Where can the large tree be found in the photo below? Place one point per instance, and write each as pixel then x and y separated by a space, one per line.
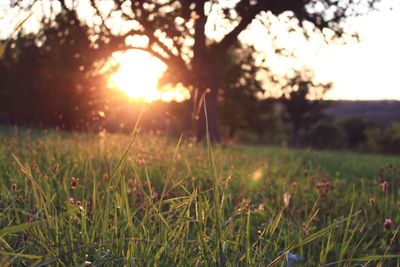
pixel 178 33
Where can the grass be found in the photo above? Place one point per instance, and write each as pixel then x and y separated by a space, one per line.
pixel 147 200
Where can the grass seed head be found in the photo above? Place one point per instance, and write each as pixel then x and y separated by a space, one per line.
pixel 306 229
pixel 286 199
pixel 56 167
pixel 372 201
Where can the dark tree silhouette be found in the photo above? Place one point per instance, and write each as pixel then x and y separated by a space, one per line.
pixel 302 99
pixel 355 129
pixel 241 106
pixel 18 83
pixel 50 79
pixel 176 34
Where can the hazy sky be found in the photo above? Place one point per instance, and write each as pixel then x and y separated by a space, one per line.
pixel 368 69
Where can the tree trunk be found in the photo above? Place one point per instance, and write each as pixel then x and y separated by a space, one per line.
pixel 205 77
pixel 206 83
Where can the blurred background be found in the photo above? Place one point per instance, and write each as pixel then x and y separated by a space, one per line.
pixel 320 74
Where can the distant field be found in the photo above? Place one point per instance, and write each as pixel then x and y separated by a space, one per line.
pixel 72 199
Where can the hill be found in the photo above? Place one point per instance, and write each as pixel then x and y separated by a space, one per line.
pixel 382 111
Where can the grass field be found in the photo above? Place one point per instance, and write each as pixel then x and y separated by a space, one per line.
pixel 71 199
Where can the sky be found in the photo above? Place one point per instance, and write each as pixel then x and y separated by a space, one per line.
pixel 362 70
pixel 368 69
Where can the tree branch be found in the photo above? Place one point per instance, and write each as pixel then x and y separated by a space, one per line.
pixel 63 5
pixel 232 36
pixel 96 8
pixel 118 43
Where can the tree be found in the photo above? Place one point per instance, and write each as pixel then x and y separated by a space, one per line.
pixel 50 78
pixel 355 129
pixel 70 80
pixel 176 34
pixel 326 135
pixel 242 107
pixel 384 139
pixel 18 84
pixel 302 99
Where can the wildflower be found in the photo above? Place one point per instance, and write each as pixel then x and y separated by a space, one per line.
pixel 384 186
pixel 286 199
pixel 74 183
pixel 34 166
pixel 387 224
pixel 71 200
pixel 323 188
pixel 292 258
pixel 14 187
pixel 76 220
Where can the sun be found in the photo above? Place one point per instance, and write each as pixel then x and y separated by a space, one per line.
pixel 137 76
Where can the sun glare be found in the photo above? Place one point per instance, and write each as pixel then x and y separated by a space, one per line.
pixel 137 76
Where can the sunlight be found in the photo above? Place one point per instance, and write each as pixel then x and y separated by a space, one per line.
pixel 137 76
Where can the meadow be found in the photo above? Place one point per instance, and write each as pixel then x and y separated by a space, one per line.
pixel 75 199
